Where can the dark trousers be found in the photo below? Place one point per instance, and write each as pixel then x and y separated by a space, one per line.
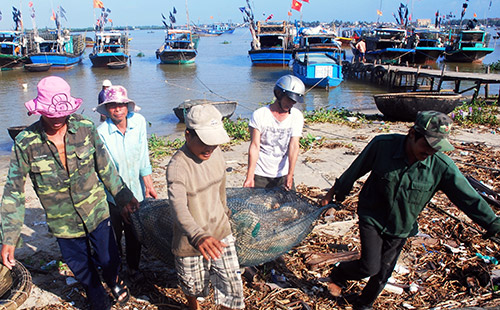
pixel 86 254
pixel 267 182
pixel 132 244
pixel 379 254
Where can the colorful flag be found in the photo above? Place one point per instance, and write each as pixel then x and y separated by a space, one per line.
pixel 30 4
pixel 475 15
pixel 305 1
pixel 269 17
pixel 110 20
pixel 296 5
pixel 53 17
pixel 379 13
pixel 289 13
pixel 98 4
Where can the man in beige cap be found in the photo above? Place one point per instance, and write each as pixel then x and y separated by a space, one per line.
pixel 202 241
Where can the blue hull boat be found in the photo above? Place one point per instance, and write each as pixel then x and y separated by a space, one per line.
pixel 272 44
pixel 270 57
pixel 109 47
pixel 318 69
pixel 58 60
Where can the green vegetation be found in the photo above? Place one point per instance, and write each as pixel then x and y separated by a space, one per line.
pixel 159 147
pixel 238 130
pixel 478 112
pixel 494 65
pixel 334 115
pixel 309 141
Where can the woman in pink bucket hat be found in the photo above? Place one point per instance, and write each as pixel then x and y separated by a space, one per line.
pixel 124 133
pixel 69 167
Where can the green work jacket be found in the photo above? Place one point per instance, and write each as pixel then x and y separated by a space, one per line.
pixel 73 201
pixel 395 192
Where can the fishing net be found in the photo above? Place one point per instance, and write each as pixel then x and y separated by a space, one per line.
pixel 266 223
pixel 16 287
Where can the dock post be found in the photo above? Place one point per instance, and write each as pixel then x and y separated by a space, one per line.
pixel 476 91
pixel 487 86
pixel 415 85
pixel 441 79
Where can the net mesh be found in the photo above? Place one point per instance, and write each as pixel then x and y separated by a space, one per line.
pixel 266 223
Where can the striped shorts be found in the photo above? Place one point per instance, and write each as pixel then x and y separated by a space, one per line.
pixel 195 273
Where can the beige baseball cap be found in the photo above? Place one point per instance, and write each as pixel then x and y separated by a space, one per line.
pixel 206 121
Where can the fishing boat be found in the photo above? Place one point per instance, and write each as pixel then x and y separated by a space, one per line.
pixel 405 106
pixel 178 47
pixel 318 68
pixel 428 45
pixel 272 44
pixel 40 67
pixel 89 42
pixel 317 39
pixel 468 45
pixel 110 46
pixel 116 65
pixel 387 45
pixel 213 30
pixel 226 108
pixel 12 49
pixel 58 48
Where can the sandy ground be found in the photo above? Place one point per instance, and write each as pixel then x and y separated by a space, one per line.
pixel 316 167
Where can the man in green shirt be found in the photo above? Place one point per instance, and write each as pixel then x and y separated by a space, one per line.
pixel 69 168
pixel 406 172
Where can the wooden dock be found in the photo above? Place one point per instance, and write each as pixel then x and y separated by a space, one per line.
pixel 415 78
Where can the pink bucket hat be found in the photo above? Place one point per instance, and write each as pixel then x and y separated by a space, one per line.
pixel 54 99
pixel 116 94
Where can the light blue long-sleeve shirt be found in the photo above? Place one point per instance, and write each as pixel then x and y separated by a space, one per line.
pixel 128 151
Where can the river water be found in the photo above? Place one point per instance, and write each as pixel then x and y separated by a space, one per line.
pixel 222 70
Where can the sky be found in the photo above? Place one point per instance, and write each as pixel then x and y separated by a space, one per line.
pixel 80 13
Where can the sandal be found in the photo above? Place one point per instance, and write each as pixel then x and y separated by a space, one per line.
pixel 119 290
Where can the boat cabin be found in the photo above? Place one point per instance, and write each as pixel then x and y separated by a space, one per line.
pixel 274 35
pixel 9 43
pixel 179 39
pixel 110 42
pixel 383 38
pixel 471 38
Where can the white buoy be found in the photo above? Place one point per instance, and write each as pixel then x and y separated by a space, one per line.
pixel 25 86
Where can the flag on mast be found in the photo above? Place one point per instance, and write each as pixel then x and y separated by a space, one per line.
pixel 98 4
pixel 296 5
pixel 379 12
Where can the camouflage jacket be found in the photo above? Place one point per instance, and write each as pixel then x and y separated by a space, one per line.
pixel 73 201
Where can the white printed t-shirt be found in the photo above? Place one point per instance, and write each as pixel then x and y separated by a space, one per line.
pixel 274 140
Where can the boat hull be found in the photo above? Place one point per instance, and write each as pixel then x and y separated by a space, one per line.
pixel 181 56
pixel 8 62
pixel 57 60
pixel 226 108
pixel 103 59
pixel 270 57
pixel 37 67
pixel 467 54
pixel 424 55
pixel 405 106
pixel 388 55
pixel 318 75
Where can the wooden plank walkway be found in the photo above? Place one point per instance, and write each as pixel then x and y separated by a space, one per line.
pixel 408 77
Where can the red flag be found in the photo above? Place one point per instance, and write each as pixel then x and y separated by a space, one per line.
pixel 30 4
pixel 296 5
pixel 98 4
pixel 289 13
pixel 269 17
pixel 53 17
pixel 305 1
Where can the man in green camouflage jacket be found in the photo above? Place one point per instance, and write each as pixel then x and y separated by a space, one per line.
pixel 69 167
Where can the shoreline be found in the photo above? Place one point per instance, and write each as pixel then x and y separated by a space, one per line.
pixel 316 167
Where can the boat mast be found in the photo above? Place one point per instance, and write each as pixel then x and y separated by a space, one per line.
pixel 380 10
